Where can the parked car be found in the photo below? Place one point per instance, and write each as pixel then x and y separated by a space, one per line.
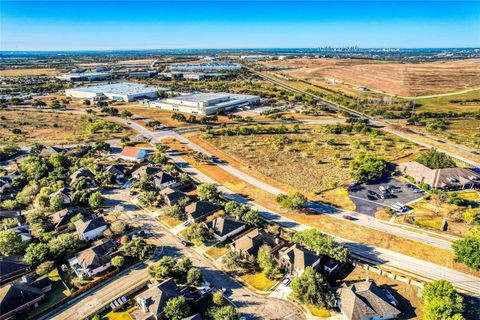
pixel 187 243
pixel 286 281
pixel 347 217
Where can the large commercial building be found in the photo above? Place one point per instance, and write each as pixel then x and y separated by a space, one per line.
pixel 91 76
pixel 122 91
pixel 205 67
pixel 205 103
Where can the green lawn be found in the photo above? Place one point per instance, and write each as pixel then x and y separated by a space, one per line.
pixel 57 293
pixel 120 315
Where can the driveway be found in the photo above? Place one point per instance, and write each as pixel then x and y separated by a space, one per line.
pixel 368 204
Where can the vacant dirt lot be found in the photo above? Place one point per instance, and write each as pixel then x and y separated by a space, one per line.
pixel 27 72
pixel 309 161
pixel 47 128
pixel 404 79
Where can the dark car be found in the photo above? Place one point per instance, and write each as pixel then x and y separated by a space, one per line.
pixel 370 197
pixel 187 243
pixel 372 193
pixel 347 217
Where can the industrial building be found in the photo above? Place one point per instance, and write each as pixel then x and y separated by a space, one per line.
pixel 142 74
pixel 122 91
pixel 213 66
pixel 205 103
pixel 92 76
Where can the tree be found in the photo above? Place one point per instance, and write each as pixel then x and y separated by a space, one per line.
pixel 436 160
pixel 56 203
pixel 218 299
pixel 9 204
pixel 197 232
pixel 367 166
pixel 118 227
pixel 194 276
pixel 44 268
pixel 95 200
pixel 227 312
pixel 118 261
pixel 176 308
pixel 471 216
pixel 291 201
pixel 442 301
pixel 36 253
pixel 265 260
pixel 208 191
pixel 137 248
pixel 317 241
pixel 64 245
pixel 163 268
pixel 28 194
pixel 467 250
pixel 311 288
pixel 8 223
pixel 10 242
pixel 126 114
pixel 173 211
pixel 252 218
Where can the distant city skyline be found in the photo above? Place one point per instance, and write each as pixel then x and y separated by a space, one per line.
pixel 130 25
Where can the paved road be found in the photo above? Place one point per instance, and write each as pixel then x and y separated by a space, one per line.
pixel 384 257
pixel 254 307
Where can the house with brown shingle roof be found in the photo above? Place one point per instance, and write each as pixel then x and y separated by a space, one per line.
pixel 366 300
pixel 249 243
pixel 297 258
pixel 94 260
pixel 61 219
pixel 171 196
pixel 447 178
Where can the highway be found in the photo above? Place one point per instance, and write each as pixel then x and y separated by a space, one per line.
pixel 381 123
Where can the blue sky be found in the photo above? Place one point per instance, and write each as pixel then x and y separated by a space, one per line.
pixel 89 25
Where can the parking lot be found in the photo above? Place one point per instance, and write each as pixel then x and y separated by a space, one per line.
pixel 367 196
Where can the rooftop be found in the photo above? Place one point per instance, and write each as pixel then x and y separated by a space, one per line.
pixel 205 97
pixel 118 88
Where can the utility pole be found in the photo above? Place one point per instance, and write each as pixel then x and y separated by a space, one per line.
pixel 413 106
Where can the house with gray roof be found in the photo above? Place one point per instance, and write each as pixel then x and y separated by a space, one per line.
pixel 225 227
pixel 365 300
pixel 61 219
pixel 200 210
pixel 153 300
pixel 249 243
pixel 18 297
pixel 171 196
pixel 90 229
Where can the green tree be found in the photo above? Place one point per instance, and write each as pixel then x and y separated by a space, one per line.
pixel 9 204
pixel 44 268
pixel 118 227
pixel 10 242
pixel 436 160
pixel 194 276
pixel 126 114
pixel 311 288
pixel 442 301
pixel 467 250
pixel 118 261
pixel 209 192
pixel 56 203
pixel 317 241
pixel 173 211
pixel 163 268
pixel 137 248
pixel 227 312
pixel 64 245
pixel 367 167
pixel 95 200
pixel 197 232
pixel 36 253
pixel 176 308
pixel 217 298
pixel 252 218
pixel 294 200
pixel 471 216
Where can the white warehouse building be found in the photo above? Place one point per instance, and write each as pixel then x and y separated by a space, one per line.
pixel 122 91
pixel 205 103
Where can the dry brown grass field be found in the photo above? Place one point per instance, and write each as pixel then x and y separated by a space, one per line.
pixel 404 79
pixel 305 160
pixel 27 72
pixel 459 131
pixel 48 128
pixel 325 223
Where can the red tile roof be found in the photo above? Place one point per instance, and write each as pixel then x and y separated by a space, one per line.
pixel 130 152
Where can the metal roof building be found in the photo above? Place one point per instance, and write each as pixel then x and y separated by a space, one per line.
pixel 122 91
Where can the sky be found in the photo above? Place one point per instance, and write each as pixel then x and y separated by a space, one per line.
pixel 98 25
